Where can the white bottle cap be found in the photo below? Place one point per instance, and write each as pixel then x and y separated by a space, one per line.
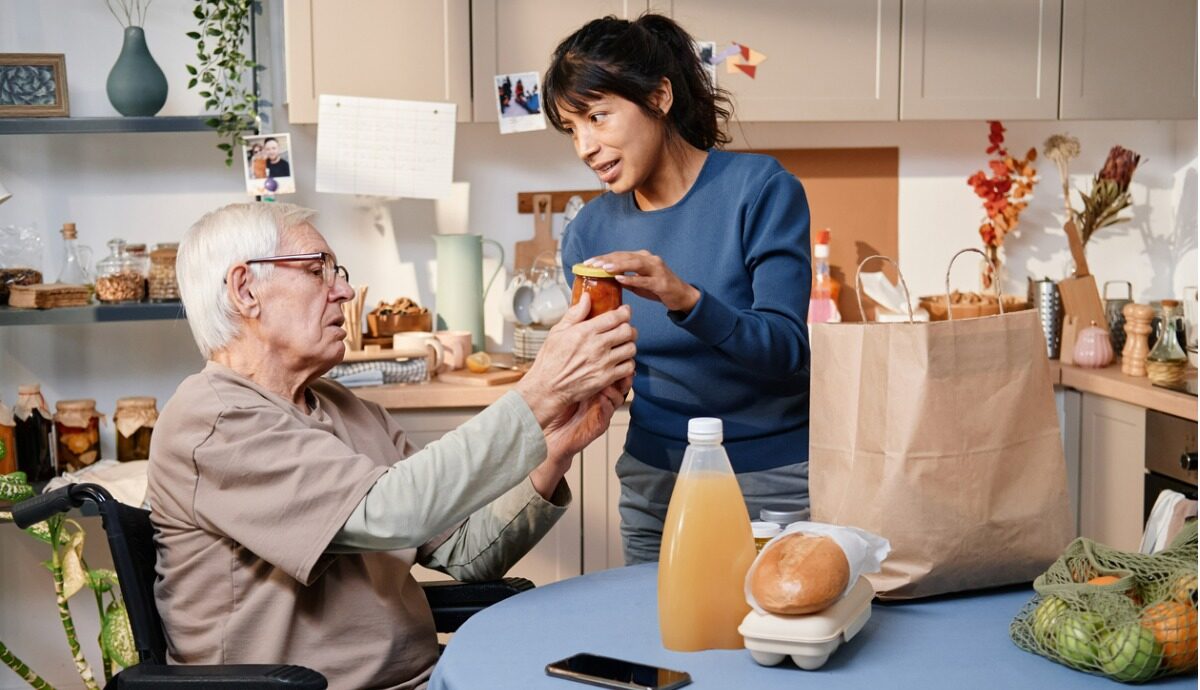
pixel 821 251
pixel 704 430
pixel 765 530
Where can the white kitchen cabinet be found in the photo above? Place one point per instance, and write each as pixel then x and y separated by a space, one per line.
pixel 510 36
pixel 602 491
pixel 1112 471
pixel 405 49
pixel 557 556
pixel 825 59
pixel 1128 60
pixel 980 59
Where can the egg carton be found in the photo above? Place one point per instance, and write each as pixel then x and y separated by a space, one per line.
pixel 808 639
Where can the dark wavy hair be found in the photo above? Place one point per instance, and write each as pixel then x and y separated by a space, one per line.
pixel 629 59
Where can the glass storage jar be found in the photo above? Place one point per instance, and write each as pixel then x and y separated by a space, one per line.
pixel 118 276
pixel 141 255
pixel 1167 362
pixel 35 434
pixel 8 440
pixel 163 285
pixel 77 426
pixel 134 419
pixel 600 285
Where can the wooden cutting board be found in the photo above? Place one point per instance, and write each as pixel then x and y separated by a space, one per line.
pixel 1080 296
pixel 495 377
pixel 527 251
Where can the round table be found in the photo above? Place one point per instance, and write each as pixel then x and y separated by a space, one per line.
pixel 953 642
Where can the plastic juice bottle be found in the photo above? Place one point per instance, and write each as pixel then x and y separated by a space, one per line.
pixel 822 303
pixel 706 550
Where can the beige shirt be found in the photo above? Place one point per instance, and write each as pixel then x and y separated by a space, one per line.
pixel 248 494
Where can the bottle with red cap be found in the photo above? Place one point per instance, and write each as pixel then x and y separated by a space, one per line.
pixel 822 303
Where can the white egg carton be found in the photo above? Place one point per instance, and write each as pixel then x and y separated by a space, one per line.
pixel 811 638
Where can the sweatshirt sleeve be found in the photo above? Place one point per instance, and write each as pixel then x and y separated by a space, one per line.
pixel 772 335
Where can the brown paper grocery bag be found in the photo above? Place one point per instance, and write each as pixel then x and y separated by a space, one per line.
pixel 942 437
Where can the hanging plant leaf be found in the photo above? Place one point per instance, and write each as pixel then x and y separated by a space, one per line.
pixel 14 487
pixel 101 580
pixel 75 575
pixel 116 636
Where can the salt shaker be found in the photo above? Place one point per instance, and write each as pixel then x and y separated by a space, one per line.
pixel 1137 346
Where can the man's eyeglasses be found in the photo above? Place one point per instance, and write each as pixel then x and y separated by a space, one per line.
pixel 330 271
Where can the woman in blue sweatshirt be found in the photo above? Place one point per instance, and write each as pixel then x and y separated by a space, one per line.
pixel 712 249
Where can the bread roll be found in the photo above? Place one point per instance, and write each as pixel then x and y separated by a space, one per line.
pixel 800 573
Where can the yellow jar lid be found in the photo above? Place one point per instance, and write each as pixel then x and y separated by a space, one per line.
pixel 590 271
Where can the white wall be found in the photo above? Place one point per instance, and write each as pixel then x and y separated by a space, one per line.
pixel 150 187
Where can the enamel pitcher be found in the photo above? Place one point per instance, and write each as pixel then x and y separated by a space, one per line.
pixel 460 286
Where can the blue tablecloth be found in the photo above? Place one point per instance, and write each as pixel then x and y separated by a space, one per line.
pixel 955 642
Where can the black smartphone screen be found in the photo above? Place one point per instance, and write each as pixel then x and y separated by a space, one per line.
pixel 617 673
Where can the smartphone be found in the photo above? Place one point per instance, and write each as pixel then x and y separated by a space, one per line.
pixel 608 672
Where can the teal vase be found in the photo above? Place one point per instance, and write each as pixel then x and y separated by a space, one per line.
pixel 136 84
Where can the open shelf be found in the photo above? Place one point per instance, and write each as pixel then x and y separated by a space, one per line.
pixel 99 313
pixel 66 125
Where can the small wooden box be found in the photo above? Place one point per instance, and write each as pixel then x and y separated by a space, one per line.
pixel 383 326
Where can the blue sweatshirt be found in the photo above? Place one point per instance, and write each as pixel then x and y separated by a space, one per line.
pixel 740 235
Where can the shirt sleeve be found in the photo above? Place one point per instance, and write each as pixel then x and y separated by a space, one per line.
pixel 772 335
pixel 436 489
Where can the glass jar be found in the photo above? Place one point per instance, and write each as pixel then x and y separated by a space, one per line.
pixel 1167 362
pixel 8 440
pixel 118 278
pixel 35 434
pixel 141 256
pixel 600 285
pixel 764 532
pixel 134 419
pixel 76 259
pixel 163 285
pixel 77 426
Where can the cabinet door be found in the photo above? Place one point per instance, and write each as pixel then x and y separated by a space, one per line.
pixel 520 36
pixel 557 556
pixel 1129 60
pixel 980 59
pixel 1112 472
pixel 415 50
pixel 825 59
pixel 601 519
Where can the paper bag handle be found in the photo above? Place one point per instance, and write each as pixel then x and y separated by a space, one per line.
pixel 858 285
pixel 995 283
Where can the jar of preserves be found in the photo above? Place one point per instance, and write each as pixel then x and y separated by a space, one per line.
pixel 118 276
pixel 77 425
pixel 141 257
pixel 8 440
pixel 163 285
pixel 35 434
pixel 134 419
pixel 600 285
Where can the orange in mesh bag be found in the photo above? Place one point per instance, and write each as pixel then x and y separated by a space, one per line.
pixel 1127 616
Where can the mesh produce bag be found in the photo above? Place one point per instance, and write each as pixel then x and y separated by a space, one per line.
pixel 1127 616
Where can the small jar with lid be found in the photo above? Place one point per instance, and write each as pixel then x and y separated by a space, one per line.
pixel 764 532
pixel 77 426
pixel 600 285
pixel 8 440
pixel 1167 363
pixel 163 284
pixel 141 255
pixel 118 276
pixel 134 419
pixel 783 515
pixel 35 434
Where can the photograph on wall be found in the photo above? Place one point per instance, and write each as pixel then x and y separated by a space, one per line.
pixel 268 164
pixel 519 102
pixel 33 85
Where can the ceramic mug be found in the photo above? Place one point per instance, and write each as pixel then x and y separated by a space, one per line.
pixel 550 299
pixel 416 344
pixel 516 305
pixel 456 346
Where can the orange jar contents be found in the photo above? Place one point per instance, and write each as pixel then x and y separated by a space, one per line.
pixel 8 440
pixel 600 285
pixel 77 426
pixel 134 419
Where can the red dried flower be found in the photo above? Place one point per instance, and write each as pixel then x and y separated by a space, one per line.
pixel 1011 180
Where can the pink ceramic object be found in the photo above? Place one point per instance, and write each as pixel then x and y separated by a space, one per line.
pixel 1093 349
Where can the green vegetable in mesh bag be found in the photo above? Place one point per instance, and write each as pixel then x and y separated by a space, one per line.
pixel 1078 636
pixel 1047 618
pixel 1131 654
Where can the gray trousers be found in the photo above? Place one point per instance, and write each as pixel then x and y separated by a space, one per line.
pixel 646 492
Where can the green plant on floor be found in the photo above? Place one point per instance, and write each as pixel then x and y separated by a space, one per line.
pixel 224 74
pixel 71 575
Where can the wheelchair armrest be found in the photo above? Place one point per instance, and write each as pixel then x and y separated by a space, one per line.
pixel 145 676
pixel 454 602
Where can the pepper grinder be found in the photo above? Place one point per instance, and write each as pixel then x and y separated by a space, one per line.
pixel 1137 346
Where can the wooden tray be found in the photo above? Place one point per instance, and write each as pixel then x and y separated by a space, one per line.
pixel 495 377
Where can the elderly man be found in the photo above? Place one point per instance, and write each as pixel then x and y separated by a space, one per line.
pixel 289 512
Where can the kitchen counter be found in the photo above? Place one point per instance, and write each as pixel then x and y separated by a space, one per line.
pixel 1111 383
pixel 433 395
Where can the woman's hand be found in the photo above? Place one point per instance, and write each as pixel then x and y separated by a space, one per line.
pixel 579 359
pixel 652 278
pixel 573 430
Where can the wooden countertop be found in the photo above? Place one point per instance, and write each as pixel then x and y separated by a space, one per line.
pixel 1111 383
pixel 432 395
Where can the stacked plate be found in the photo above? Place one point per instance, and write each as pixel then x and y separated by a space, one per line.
pixel 527 340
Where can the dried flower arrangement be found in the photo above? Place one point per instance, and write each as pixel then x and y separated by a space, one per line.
pixel 1110 187
pixel 1005 194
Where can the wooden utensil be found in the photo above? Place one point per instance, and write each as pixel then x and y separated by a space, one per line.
pixel 527 251
pixel 1080 296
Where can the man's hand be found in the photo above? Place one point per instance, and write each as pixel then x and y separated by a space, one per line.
pixel 573 430
pixel 580 358
pixel 652 278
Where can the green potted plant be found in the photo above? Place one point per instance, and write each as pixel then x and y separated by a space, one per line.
pixel 224 74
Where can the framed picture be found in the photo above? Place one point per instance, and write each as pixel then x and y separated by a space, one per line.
pixel 268 168
pixel 518 102
pixel 33 85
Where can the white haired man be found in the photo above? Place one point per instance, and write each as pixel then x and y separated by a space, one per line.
pixel 289 512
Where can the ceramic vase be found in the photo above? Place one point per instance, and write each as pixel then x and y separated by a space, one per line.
pixel 1093 348
pixel 136 85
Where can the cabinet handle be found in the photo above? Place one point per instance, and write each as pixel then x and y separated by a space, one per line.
pixel 1188 462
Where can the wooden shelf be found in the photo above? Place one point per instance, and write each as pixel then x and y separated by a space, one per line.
pixel 100 313
pixel 97 125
